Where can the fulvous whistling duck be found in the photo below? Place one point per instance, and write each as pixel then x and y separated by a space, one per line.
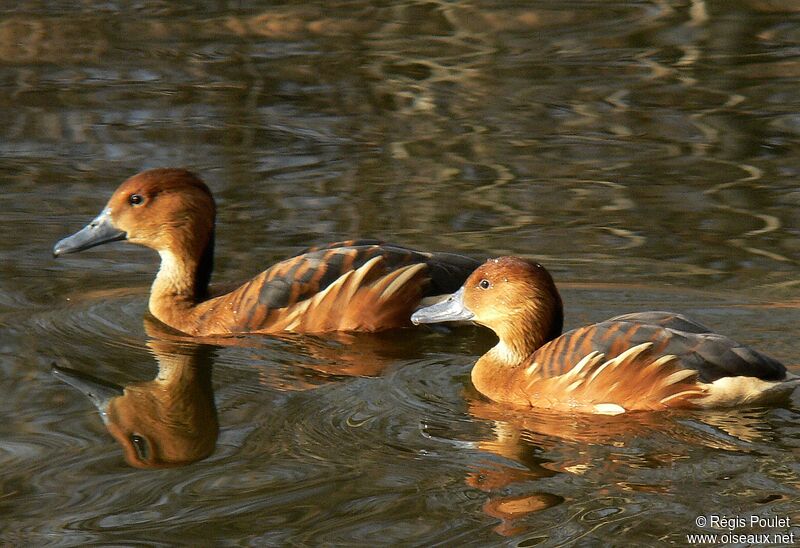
pixel 640 361
pixel 359 285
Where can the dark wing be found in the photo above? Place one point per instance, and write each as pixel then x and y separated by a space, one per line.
pixel 359 284
pixel 713 356
pixel 669 320
pixel 447 271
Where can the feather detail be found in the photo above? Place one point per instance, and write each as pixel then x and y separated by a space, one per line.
pixel 361 288
pixel 348 303
pixel 686 394
pixel 608 409
pixel 390 284
pixel 531 369
pixel 633 380
pixel 588 362
pixel 679 376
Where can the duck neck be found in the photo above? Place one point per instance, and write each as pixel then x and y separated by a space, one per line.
pixel 494 373
pixel 181 282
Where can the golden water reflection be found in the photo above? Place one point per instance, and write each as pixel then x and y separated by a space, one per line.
pixel 170 420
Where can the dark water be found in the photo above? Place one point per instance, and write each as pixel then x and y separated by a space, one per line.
pixel 646 152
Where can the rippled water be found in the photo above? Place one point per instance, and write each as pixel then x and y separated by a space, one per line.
pixel 646 152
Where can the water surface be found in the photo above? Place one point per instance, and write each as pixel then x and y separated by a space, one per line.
pixel 646 152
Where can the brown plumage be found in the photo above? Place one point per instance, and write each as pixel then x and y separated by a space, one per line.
pixel 640 361
pixel 357 285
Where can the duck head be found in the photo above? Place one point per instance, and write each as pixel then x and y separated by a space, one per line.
pixel 514 297
pixel 153 208
pixel 169 210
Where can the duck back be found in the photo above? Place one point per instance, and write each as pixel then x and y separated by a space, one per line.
pixel 695 347
pixel 357 285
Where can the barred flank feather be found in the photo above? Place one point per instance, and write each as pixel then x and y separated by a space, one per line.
pixel 630 381
pixel 346 286
pixel 365 299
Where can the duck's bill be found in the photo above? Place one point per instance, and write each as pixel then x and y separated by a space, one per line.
pixel 100 231
pixel 100 392
pixel 449 310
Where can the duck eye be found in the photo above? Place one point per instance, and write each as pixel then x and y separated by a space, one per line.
pixel 135 199
pixel 484 284
pixel 140 445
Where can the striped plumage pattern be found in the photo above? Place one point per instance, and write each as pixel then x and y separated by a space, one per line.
pixel 357 285
pixel 695 347
pixel 640 361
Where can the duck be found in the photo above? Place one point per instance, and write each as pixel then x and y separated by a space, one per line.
pixel 355 285
pixel 642 361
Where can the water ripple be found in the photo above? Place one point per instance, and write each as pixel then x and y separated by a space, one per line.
pixel 113 316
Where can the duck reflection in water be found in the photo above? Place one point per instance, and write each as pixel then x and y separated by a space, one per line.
pixel 298 362
pixel 518 450
pixel 523 448
pixel 172 421
pixel 165 422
